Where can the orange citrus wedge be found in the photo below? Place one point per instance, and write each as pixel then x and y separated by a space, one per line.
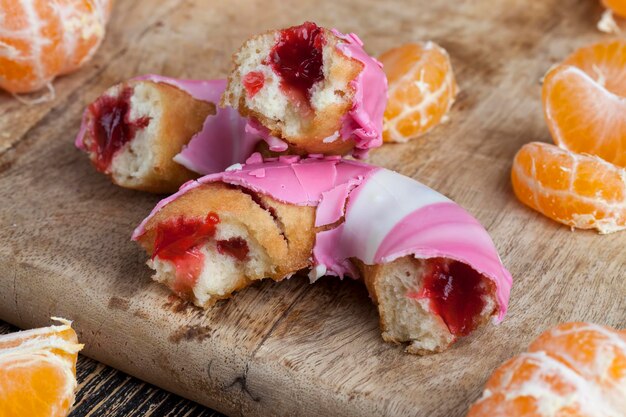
pixel 616 6
pixel 584 101
pixel 422 89
pixel 580 191
pixel 40 39
pixel 38 371
pixel 573 370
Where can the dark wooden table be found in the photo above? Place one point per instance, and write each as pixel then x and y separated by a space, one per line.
pixel 104 391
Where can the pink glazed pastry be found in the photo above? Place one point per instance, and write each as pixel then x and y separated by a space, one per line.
pixel 312 88
pixel 429 266
pixel 154 133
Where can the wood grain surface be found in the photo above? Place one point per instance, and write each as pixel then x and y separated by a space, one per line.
pixel 293 348
pixel 103 391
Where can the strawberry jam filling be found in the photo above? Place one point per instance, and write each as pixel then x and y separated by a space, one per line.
pixel 253 82
pixel 112 127
pixel 179 241
pixel 297 58
pixel 456 292
pixel 235 247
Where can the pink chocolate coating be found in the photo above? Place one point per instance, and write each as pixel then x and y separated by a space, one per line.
pixel 254 127
pixel 387 215
pixel 224 138
pixel 364 121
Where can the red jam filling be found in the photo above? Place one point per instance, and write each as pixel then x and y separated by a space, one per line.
pixel 112 127
pixel 235 247
pixel 179 241
pixel 297 59
pixel 456 294
pixel 253 82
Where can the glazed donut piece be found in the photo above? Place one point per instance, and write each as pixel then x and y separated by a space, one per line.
pixel 217 239
pixel 429 266
pixel 133 131
pixel 314 88
pixel 154 133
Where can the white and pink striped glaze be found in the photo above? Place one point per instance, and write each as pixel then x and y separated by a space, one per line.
pixel 386 215
pixel 224 138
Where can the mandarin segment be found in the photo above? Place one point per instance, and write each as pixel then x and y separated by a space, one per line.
pixel 575 369
pixel 579 345
pixel 523 386
pixel 580 191
pixel 84 26
pixel 40 39
pixel 38 371
pixel 604 62
pixel 422 89
pixel 584 101
pixel 616 6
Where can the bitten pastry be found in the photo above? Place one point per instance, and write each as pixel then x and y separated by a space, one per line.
pixel 574 369
pixel 430 267
pixel 313 88
pixel 154 133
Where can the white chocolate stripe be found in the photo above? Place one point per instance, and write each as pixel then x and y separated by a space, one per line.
pixel 370 215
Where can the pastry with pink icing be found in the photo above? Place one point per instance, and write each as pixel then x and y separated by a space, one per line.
pixel 310 89
pixel 429 266
pixel 154 133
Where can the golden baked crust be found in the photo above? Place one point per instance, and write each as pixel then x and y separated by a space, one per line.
pixel 284 231
pixel 182 117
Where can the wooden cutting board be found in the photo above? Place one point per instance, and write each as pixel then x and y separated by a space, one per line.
pixel 293 348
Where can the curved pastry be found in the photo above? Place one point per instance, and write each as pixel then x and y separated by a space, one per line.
pixel 313 88
pixel 154 133
pixel 430 267
pixel 574 369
